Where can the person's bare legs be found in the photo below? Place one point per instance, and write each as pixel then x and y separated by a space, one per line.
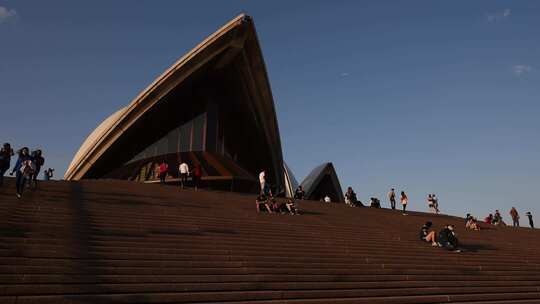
pixel 431 238
pixel 289 208
pixel 268 208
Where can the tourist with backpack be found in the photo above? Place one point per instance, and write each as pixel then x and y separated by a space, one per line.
pixel 5 160
pixel 24 168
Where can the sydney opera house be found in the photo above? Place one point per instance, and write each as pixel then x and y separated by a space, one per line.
pixel 213 108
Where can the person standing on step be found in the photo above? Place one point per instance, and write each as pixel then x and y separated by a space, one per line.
pixel 163 169
pixel 262 181
pixel 5 160
pixel 197 174
pixel 404 202
pixel 392 198
pixel 48 174
pixel 430 203
pixel 23 168
pixel 184 172
pixel 435 203
pixel 529 215
pixel 515 217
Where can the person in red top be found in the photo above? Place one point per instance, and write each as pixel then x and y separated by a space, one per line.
pixel 488 219
pixel 197 173
pixel 163 168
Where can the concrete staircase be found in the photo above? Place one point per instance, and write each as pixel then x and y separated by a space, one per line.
pixel 123 242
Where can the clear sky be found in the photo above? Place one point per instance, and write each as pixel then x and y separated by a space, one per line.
pixel 425 96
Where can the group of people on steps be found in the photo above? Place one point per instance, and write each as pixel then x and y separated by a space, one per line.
pixel 26 168
pixel 183 173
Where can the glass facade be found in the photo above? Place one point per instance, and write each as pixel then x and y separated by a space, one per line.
pixel 188 137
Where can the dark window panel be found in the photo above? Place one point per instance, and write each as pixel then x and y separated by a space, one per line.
pixel 198 133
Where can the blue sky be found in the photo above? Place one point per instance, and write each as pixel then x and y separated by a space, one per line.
pixel 426 96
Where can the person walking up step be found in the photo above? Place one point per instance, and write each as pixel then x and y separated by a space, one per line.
pixel 392 198
pixel 404 202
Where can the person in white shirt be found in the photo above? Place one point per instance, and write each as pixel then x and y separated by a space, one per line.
pixel 262 180
pixel 327 199
pixel 184 172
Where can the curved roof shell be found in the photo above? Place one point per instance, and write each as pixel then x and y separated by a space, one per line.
pixel 323 180
pixel 236 38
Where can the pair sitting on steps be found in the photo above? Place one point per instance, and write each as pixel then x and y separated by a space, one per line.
pixel 447 238
pixel 271 205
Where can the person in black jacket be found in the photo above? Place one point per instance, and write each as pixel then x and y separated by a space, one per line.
pixel 529 215
pixel 5 161
pixel 448 238
pixel 39 161
pixel 299 193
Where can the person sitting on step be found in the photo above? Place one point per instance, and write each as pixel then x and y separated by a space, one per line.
pixel 472 223
pixel 426 235
pixel 375 202
pixel 497 219
pixel 274 205
pixel 448 238
pixel 291 207
pixel 261 201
